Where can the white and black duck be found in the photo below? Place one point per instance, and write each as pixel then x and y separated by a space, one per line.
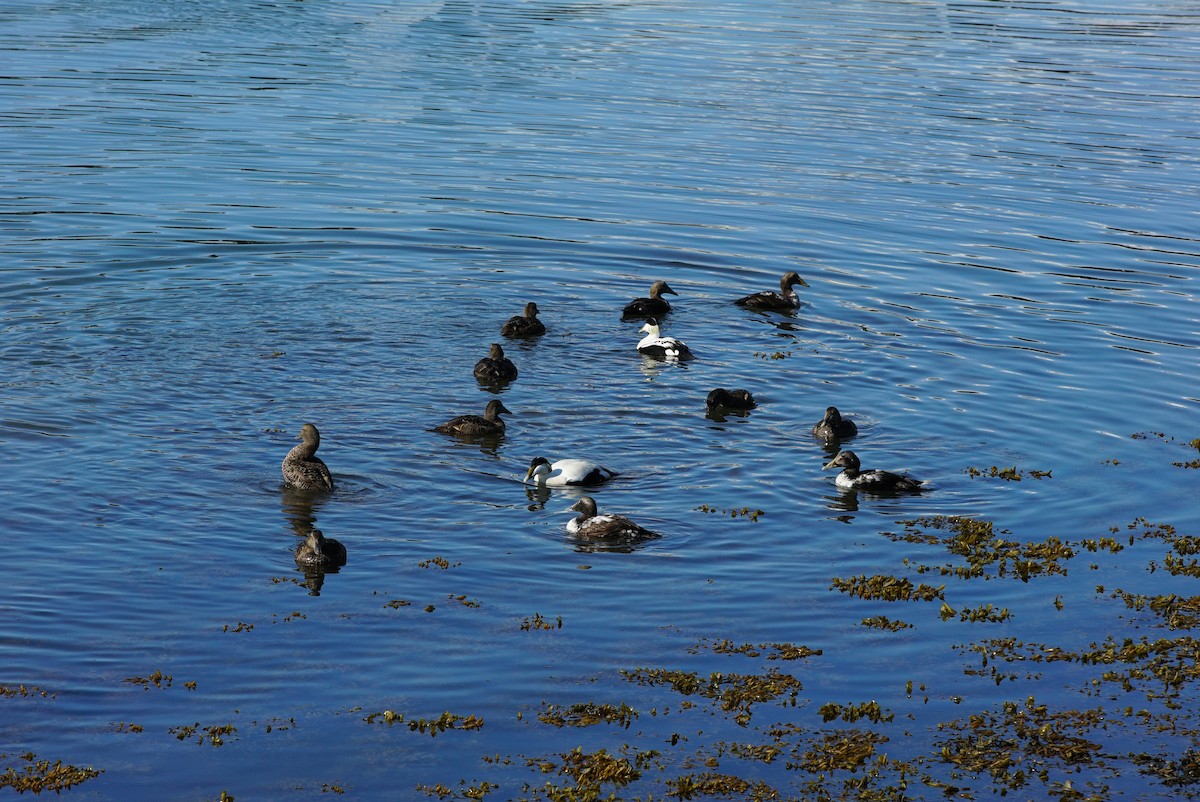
pixel 489 423
pixel 524 325
pixel 302 468
pixel 853 477
pixel 656 345
pixel 318 551
pixel 655 305
pixel 833 426
pixel 785 300
pixel 721 399
pixel 495 368
pixel 566 472
pixel 589 525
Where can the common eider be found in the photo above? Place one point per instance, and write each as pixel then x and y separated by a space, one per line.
pixel 721 398
pixel 565 472
pixel 495 368
pixel 654 305
pixel 320 551
pixel 783 301
pixel 590 526
pixel 853 478
pixel 833 426
pixel 302 468
pixel 524 325
pixel 488 423
pixel 654 344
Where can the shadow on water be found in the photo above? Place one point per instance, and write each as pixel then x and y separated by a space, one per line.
pixel 614 546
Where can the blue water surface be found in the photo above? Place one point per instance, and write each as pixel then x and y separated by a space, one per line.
pixel 220 221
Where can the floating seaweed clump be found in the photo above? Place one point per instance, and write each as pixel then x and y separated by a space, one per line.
pixel 886 588
pixel 852 713
pixel 709 785
pixel 479 791
pixel 446 721
pixel 1172 773
pixel 734 692
pixel 1192 444
pixel 588 713
pixel 157 679
pixel 1020 741
pixel 41 775
pixel 844 750
pixel 743 512
pixel 537 622
pixel 1007 474
pixel 215 734
pixel 883 622
pixel 589 772
pixel 8 692
pixel 1176 612
pixel 985 551
pixel 777 651
pixel 438 562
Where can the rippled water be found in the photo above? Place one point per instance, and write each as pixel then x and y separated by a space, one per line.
pixel 222 220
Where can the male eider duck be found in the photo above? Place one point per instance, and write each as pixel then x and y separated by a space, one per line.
pixel 833 426
pixel 656 304
pixel 853 478
pixel 721 398
pixel 524 325
pixel 783 301
pixel 319 551
pixel 488 423
pixel 654 344
pixel 302 468
pixel 591 526
pixel 495 368
pixel 565 472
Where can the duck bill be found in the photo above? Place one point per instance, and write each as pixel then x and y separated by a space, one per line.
pixel 833 463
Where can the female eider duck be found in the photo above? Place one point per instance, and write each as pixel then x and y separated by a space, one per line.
pixel 302 468
pixel 654 344
pixel 524 325
pixel 656 304
pixel 566 472
pixel 853 478
pixel 721 398
pixel 591 526
pixel 783 301
pixel 318 551
pixel 472 425
pixel 495 368
pixel 833 426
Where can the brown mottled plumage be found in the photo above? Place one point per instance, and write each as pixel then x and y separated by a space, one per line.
pixel 783 301
pixel 488 423
pixel 320 551
pixel 525 324
pixel 495 368
pixel 302 469
pixel 833 426
pixel 591 526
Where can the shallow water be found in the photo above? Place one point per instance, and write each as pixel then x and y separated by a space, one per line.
pixel 222 221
